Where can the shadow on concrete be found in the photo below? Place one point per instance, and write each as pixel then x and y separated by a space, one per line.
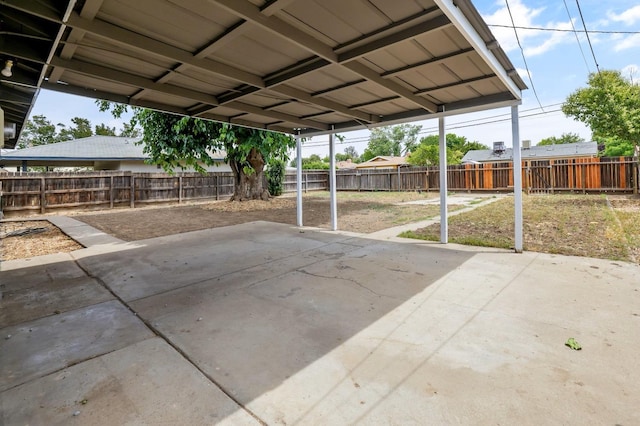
pixel 249 305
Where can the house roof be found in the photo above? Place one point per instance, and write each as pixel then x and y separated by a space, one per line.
pixel 581 149
pixel 382 161
pixel 294 66
pixel 93 148
pixel 348 164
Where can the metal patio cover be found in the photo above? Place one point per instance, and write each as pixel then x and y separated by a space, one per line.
pixel 306 66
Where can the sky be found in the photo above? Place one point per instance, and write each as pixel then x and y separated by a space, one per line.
pixel 552 63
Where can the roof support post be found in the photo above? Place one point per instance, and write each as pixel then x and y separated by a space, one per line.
pixel 299 179
pixel 517 178
pixel 332 181
pixel 444 224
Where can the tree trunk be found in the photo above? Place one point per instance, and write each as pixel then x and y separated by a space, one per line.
pixel 250 186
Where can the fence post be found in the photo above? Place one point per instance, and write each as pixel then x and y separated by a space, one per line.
pixel 43 197
pixel 132 195
pixel 111 192
pixel 179 189
pixel 583 169
pixel 635 170
pixel 217 184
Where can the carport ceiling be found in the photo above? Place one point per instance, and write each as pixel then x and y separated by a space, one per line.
pixel 287 65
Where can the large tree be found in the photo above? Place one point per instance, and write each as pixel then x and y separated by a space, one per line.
pixel 38 131
pixel 81 128
pixel 179 142
pixel 394 140
pixel 563 139
pixel 427 153
pixel 610 106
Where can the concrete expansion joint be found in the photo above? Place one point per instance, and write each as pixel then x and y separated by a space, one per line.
pixel 160 335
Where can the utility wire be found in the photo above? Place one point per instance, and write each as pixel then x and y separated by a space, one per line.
pixel 533 87
pixel 576 34
pixel 588 38
pixel 459 125
pixel 562 30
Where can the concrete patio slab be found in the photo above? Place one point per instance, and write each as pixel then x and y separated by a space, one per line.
pixel 145 383
pixel 285 327
pixel 39 347
pixel 31 289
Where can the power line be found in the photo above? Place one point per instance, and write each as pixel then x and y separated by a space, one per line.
pixel 533 87
pixel 562 30
pixel 576 34
pixel 498 118
pixel 587 34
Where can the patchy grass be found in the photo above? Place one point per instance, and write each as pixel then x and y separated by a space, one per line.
pixel 627 209
pixel 580 225
pixel 383 197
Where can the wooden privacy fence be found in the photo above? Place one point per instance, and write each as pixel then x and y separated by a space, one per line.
pixel 312 180
pixel 616 174
pixel 44 191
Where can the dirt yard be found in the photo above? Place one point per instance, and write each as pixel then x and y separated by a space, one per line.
pixel 357 212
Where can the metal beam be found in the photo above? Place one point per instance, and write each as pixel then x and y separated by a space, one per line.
pixel 432 61
pixel 392 86
pixel 241 106
pixel 467 30
pixel 396 37
pixel 133 80
pixel 250 12
pixel 89 11
pixel 9 94
pixel 157 48
pixel 326 103
pixel 454 84
pixel 229 35
pixel 45 9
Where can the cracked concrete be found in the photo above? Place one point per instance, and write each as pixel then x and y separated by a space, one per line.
pixel 262 324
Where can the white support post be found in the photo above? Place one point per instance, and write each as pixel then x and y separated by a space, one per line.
pixel 332 181
pixel 299 179
pixel 444 224
pixel 517 178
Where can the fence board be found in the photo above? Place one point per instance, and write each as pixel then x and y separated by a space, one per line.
pixel 45 191
pixel 42 191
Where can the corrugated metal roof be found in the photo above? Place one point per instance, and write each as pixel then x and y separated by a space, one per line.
pixel 308 66
pixel 582 149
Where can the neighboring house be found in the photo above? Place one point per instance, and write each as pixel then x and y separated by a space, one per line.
pixel 348 164
pixel 97 152
pixel 383 162
pixel 545 152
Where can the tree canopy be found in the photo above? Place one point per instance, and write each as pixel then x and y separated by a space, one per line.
pixel 174 141
pixel 427 153
pixel 40 131
pixel 610 106
pixel 563 139
pixel 394 140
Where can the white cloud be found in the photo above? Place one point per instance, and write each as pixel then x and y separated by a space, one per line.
pixel 630 42
pixel 533 42
pixel 631 71
pixel 628 17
